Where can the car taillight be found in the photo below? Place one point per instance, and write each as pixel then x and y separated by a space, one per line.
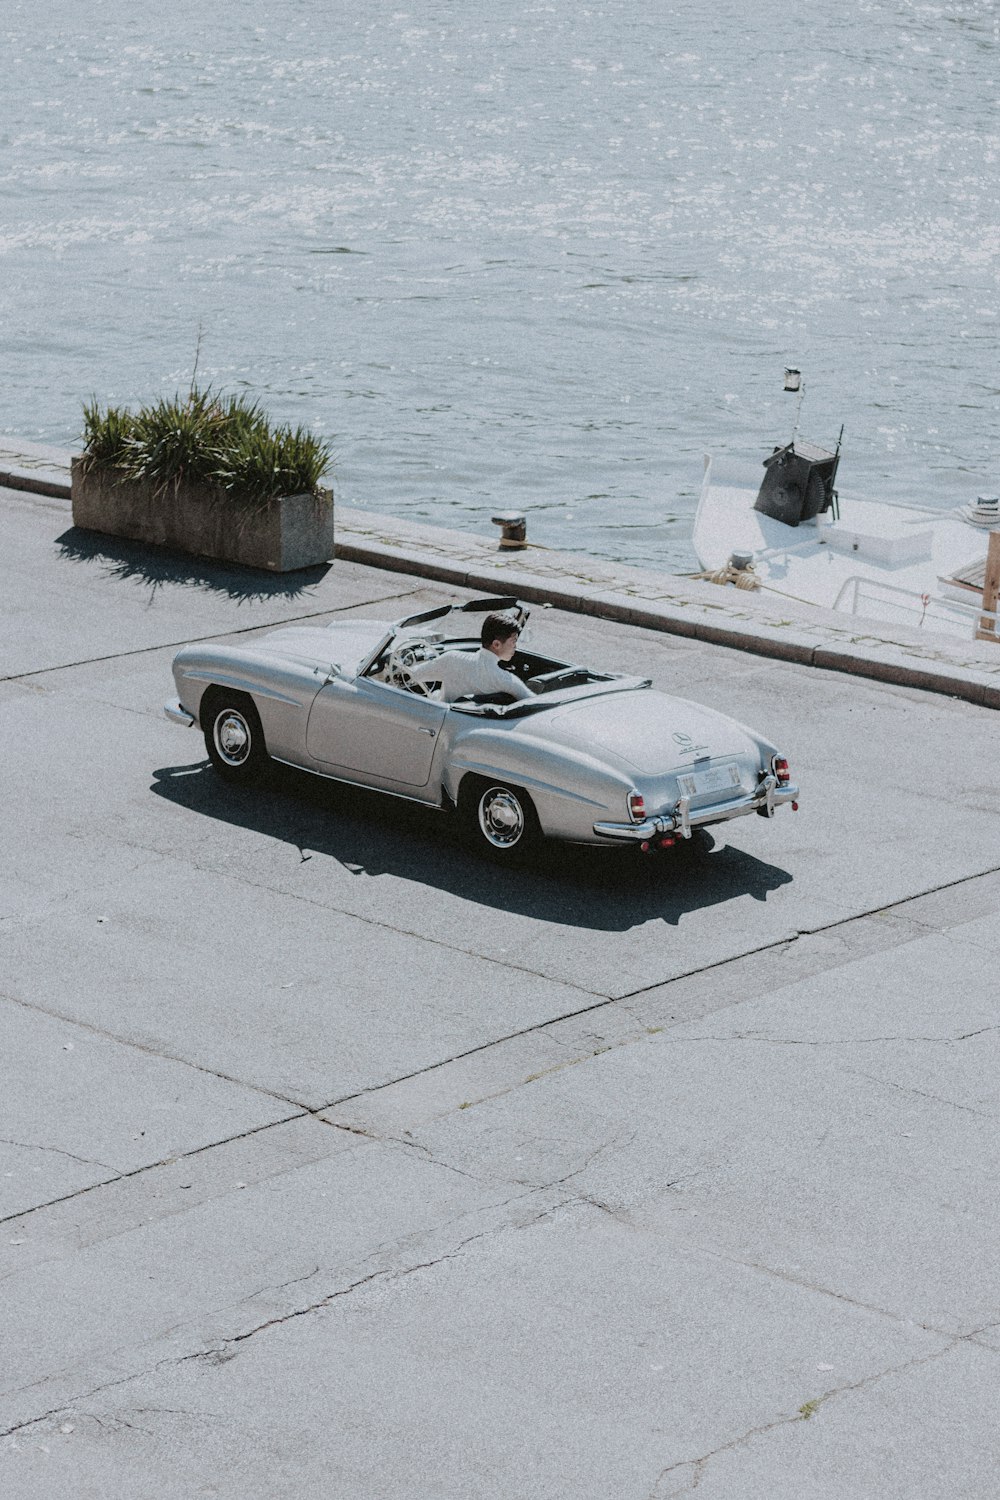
pixel 780 767
pixel 636 807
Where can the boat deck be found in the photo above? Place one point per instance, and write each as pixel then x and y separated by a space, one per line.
pixel 880 561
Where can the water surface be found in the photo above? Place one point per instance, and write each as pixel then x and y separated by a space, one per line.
pixel 537 256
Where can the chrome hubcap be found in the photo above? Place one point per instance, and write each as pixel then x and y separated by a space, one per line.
pixel 232 738
pixel 501 818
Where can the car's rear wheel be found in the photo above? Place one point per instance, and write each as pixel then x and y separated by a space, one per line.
pixel 499 819
pixel 234 738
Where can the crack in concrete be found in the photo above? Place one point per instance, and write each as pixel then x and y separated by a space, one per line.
pixel 697 1249
pixel 86 1161
pixel 116 1421
pixel 613 1145
pixel 69 1407
pixel 803 1413
pixel 823 1291
pixel 535 1029
pixel 536 1077
pixel 579 1198
pixel 227 1349
pixel 380 1275
pixel 268 1290
pixel 903 1088
pixel 977 1337
pixel 533 1188
pixel 427 1156
pixel 387 1274
pixel 850 1041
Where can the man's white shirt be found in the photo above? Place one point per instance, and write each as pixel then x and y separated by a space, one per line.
pixel 462 672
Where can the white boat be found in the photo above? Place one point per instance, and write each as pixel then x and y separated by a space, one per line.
pixel 793 534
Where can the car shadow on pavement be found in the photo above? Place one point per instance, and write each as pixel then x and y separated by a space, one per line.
pixel 371 835
pixel 155 566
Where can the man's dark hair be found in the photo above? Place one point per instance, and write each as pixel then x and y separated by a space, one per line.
pixel 497 628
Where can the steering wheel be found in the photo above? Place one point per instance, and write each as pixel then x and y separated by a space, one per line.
pixel 403 658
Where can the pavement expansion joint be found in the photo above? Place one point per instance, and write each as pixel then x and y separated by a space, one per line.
pixel 151 1051
pixel 793 1207
pixel 25 1213
pixel 242 878
pixel 896 910
pixel 218 635
pixel 582 1055
pixel 595 1047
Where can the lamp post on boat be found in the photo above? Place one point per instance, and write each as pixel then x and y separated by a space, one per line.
pixel 795 384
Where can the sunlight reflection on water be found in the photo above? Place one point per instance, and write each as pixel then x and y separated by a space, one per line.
pixel 536 255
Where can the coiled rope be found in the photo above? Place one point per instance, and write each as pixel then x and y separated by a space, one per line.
pixel 742 578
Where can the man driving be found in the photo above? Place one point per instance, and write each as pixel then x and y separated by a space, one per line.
pixel 461 673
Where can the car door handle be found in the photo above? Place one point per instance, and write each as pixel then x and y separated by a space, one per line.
pixel 431 732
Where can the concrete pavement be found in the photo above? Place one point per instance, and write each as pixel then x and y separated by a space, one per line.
pixel 336 1163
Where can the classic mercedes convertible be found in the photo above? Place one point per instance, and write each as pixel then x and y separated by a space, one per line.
pixel 590 757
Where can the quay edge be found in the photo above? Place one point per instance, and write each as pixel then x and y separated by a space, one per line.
pixel 780 629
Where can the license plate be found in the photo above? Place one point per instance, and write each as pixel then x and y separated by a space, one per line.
pixel 715 779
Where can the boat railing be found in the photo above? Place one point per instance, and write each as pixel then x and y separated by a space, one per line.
pixel 932 608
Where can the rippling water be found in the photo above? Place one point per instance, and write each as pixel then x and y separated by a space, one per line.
pixel 517 255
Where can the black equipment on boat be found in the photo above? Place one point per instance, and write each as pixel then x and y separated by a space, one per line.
pixel 798 483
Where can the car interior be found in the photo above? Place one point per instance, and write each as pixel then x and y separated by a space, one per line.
pixel 422 637
pixel 543 674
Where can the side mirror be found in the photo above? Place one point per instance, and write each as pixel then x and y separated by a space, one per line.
pixel 331 673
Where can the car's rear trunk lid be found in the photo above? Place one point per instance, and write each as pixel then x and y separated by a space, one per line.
pixel 646 730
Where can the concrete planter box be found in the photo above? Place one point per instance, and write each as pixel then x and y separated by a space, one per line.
pixel 294 531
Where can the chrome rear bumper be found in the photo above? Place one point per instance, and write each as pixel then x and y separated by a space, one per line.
pixel 177 713
pixel 681 820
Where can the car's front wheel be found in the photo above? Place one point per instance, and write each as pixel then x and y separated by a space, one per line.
pixel 234 738
pixel 499 819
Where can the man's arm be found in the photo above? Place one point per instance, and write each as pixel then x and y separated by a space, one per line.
pixel 451 669
pixel 508 682
pixel 428 671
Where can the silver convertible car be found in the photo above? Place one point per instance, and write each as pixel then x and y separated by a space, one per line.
pixel 590 757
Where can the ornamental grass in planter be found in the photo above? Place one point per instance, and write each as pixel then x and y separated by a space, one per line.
pixel 207 474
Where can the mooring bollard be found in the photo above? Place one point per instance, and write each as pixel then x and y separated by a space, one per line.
pixel 513 529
